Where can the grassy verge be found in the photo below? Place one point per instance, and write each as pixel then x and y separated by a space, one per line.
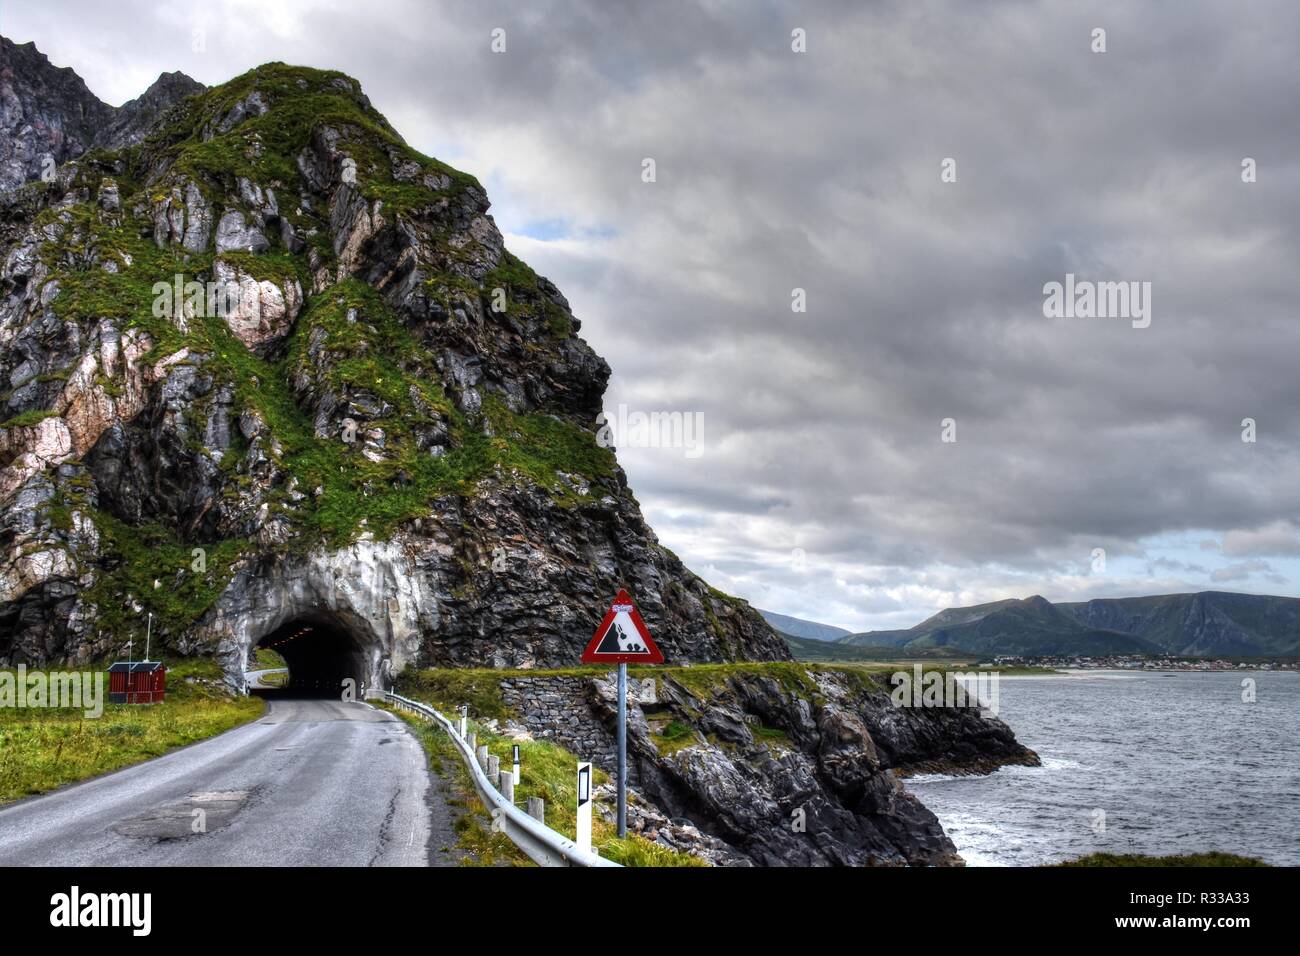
pixel 45 748
pixel 480 846
pixel 547 770
pixel 1213 858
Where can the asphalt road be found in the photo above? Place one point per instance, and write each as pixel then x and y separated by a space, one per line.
pixel 255 681
pixel 312 783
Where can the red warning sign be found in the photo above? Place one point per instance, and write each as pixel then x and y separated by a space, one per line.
pixel 622 637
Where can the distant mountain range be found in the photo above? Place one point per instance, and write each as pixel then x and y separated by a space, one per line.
pixel 807 649
pixel 798 627
pixel 1204 624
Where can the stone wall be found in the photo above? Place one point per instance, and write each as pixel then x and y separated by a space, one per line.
pixel 560 709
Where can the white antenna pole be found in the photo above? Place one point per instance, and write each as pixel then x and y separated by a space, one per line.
pixel 148 633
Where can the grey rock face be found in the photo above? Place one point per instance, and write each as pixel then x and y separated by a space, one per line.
pixel 133 120
pixel 48 117
pixel 744 768
pixel 236 235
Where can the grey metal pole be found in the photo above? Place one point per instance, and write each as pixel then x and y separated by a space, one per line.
pixel 622 750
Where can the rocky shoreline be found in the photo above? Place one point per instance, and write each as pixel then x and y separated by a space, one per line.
pixel 769 764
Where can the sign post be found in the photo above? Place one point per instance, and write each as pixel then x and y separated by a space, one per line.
pixel 622 639
pixel 622 750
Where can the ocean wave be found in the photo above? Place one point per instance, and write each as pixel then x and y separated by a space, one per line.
pixel 1159 782
pixel 1048 764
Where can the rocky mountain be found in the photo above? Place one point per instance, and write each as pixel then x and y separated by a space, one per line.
pixel 1209 623
pixel 48 116
pixel 268 370
pixel 1028 627
pixel 810 649
pixel 798 627
pixel 133 120
pixel 807 649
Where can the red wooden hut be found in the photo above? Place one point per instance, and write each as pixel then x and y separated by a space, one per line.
pixel 138 682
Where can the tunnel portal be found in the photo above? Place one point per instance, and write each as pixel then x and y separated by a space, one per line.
pixel 322 657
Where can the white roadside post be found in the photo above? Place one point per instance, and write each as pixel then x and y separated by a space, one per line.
pixel 583 835
pixel 464 720
pixel 515 754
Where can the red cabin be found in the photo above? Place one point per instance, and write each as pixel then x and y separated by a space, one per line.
pixel 139 682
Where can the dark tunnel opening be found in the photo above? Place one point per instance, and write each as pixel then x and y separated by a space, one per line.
pixel 324 660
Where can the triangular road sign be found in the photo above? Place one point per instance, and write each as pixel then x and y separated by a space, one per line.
pixel 622 637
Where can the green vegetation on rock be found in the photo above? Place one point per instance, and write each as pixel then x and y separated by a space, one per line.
pixel 27 419
pixel 263 148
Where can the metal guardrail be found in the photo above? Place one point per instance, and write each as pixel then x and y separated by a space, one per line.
pixel 540 843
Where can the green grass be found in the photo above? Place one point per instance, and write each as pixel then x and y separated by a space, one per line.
pixel 1213 858
pixel 547 770
pixel 672 737
pixel 41 749
pixel 266 659
pixel 704 680
pixel 772 736
pixel 448 688
pixel 25 419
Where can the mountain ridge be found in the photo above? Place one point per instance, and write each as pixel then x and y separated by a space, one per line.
pixel 798 627
pixel 1201 623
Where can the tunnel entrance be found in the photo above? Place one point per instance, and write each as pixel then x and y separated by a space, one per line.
pixel 322 658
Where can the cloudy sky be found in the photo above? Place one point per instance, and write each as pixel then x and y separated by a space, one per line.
pixel 822 486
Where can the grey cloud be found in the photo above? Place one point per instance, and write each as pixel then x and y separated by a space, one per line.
pixel 820 171
pixel 1241 571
